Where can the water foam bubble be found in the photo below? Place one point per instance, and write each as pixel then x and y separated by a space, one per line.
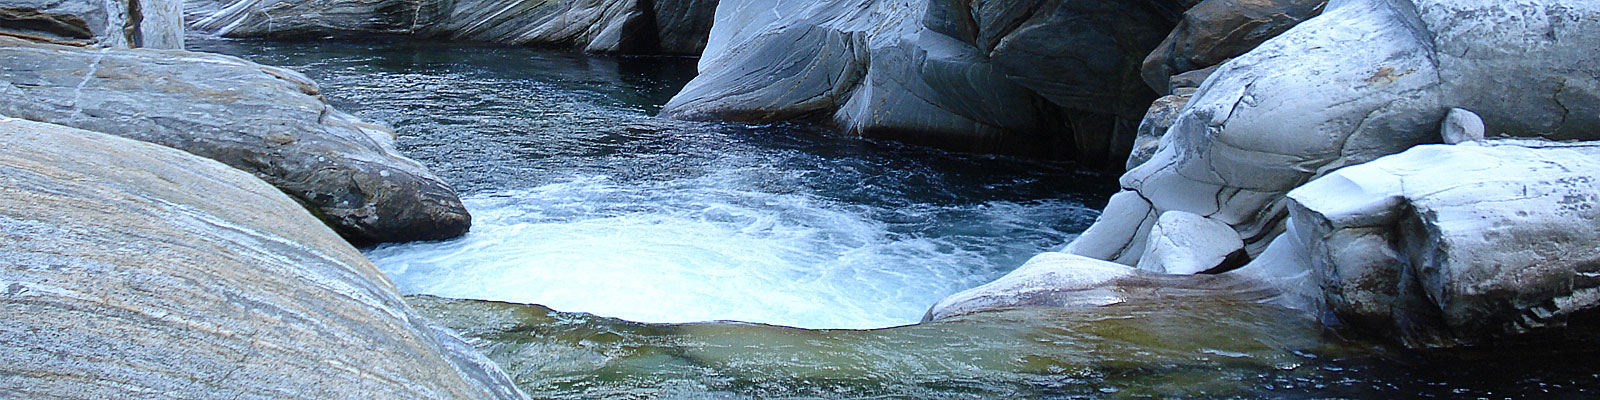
pixel 682 252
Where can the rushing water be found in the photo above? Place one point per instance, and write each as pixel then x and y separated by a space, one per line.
pixel 584 201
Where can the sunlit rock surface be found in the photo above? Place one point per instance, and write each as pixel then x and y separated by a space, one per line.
pixel 108 23
pixel 630 26
pixel 1038 77
pixel 268 121
pixel 1458 243
pixel 1365 79
pixel 129 269
pixel 1059 280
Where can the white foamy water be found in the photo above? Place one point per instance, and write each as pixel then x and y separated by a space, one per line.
pixel 689 251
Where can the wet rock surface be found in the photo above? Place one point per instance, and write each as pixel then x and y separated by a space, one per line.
pixel 268 121
pixel 132 269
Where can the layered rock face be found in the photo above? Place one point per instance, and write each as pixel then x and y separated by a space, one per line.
pixel 1040 77
pixel 1365 79
pixel 129 269
pixel 109 23
pixel 629 26
pixel 1458 243
pixel 264 120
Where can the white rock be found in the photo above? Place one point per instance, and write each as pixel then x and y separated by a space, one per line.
pixel 1446 244
pixel 1047 280
pixel 1461 126
pixel 1187 243
pixel 1365 79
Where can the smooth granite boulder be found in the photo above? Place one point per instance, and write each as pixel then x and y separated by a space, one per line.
pixel 107 23
pixel 132 270
pixel 267 121
pixel 1458 244
pixel 626 26
pixel 1185 243
pixel 1215 30
pixel 1365 79
pixel 1060 280
pixel 1038 77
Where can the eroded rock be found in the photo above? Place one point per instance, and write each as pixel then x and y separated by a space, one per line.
pixel 1060 280
pixel 1365 79
pixel 131 269
pixel 1448 244
pixel 109 23
pixel 1039 77
pixel 1185 243
pixel 628 26
pixel 267 121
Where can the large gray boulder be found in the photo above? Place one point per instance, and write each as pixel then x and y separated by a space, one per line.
pixel 1365 79
pixel 1457 244
pixel 109 23
pixel 1037 77
pixel 628 26
pixel 129 269
pixel 267 121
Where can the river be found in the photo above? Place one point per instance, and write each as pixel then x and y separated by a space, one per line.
pixel 639 229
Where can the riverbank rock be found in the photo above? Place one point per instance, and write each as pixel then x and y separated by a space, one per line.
pixel 1040 78
pixel 1060 280
pixel 612 26
pixel 129 269
pixel 1365 79
pixel 1215 30
pixel 268 121
pixel 1467 243
pixel 110 23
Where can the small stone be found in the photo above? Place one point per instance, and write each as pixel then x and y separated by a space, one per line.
pixel 1462 126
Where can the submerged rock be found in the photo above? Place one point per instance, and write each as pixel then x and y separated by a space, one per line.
pixel 629 26
pixel 1038 77
pixel 1060 280
pixel 108 23
pixel 1447 244
pixel 268 121
pixel 132 269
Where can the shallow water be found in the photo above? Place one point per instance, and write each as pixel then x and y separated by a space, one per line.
pixel 583 201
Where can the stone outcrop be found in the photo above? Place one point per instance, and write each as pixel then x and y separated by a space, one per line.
pixel 1365 79
pixel 129 269
pixel 1061 280
pixel 268 121
pixel 1215 30
pixel 1466 243
pixel 1440 245
pixel 108 23
pixel 1039 77
pixel 626 26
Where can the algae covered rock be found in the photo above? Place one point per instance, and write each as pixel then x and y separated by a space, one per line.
pixel 129 269
pixel 268 121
